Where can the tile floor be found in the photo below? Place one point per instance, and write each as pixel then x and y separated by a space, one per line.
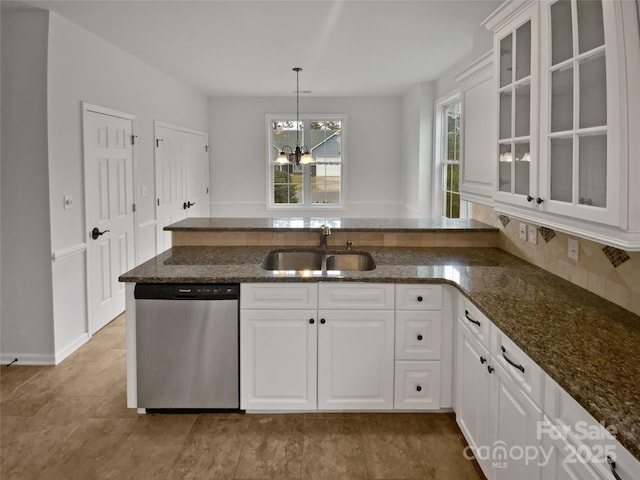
pixel 71 422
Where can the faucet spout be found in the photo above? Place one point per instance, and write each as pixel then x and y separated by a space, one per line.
pixel 325 231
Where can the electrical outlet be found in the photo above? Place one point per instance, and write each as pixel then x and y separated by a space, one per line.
pixel 573 250
pixel 523 231
pixel 532 234
pixel 67 201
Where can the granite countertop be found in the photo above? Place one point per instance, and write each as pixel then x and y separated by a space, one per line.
pixel 589 346
pixel 209 224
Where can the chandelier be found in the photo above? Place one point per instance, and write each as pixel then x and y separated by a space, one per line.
pixel 298 155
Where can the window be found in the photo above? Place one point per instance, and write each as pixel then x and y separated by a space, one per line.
pixel 448 159
pixel 317 185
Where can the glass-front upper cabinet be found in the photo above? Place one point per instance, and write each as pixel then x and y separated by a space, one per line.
pixel 579 135
pixel 517 93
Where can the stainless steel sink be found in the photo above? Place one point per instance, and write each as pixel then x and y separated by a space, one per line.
pixel 350 261
pixel 315 259
pixel 293 260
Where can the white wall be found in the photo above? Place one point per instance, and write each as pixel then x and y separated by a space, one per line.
pixel 52 71
pixel 238 156
pixel 26 302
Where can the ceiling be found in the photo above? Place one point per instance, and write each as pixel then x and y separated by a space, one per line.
pixel 248 48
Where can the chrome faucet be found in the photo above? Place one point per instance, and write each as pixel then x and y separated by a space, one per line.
pixel 325 231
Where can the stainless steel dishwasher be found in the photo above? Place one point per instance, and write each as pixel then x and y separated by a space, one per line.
pixel 187 345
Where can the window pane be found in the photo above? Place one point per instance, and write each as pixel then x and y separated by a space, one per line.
pixel 523 110
pixel 522 166
pixel 562 169
pixel 523 52
pixel 287 184
pixel 505 115
pixel 504 168
pixel 591 26
pixel 326 141
pixel 561 32
pixel 593 92
pixel 593 170
pixel 453 178
pixel 325 183
pixel 452 208
pixel 505 60
pixel 562 100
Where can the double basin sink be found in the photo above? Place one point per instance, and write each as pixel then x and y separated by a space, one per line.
pixel 318 259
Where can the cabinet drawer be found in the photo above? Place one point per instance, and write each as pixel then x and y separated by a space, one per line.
pixel 278 295
pixel 356 295
pixel 478 324
pixel 417 386
pixel 418 335
pixel 419 297
pixel 518 365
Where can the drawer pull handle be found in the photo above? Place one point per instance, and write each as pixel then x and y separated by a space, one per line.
pixel 612 466
pixel 419 388
pixel 475 322
pixel 509 361
pixel 483 360
pixel 420 298
pixel 419 337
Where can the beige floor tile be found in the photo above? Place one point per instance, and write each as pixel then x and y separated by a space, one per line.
pixel 333 449
pixel 273 448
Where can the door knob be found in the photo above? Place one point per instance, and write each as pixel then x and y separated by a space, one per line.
pixel 95 233
pixel 186 205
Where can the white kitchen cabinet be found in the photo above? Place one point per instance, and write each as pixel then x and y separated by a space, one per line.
pixel 478 131
pixel 585 439
pixel 473 392
pixel 515 418
pixel 355 359
pixel 278 359
pixel 567 97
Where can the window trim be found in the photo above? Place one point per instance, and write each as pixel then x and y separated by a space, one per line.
pixel 440 147
pixel 305 118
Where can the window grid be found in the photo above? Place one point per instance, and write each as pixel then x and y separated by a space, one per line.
pixel 450 160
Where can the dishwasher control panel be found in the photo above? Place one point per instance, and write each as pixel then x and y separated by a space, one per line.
pixel 187 291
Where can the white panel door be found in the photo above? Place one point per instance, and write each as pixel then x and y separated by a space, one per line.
pixel 182 177
pixel 171 153
pixel 109 211
pixel 355 360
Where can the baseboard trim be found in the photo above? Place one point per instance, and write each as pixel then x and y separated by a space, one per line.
pixel 27 359
pixel 71 347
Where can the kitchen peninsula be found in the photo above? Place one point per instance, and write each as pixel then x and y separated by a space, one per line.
pixel 586 344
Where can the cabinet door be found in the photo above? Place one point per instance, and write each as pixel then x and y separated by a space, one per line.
pixel 581 110
pixel 418 335
pixel 417 386
pixel 562 461
pixel 516 54
pixel 515 419
pixel 478 131
pixel 473 392
pixel 278 359
pixel 355 360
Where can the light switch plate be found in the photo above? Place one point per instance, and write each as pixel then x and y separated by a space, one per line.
pixel 532 234
pixel 523 231
pixel 573 250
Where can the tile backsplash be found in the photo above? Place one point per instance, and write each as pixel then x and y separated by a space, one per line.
pixel 606 271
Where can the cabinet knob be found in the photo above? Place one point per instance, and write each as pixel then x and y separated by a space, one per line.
pixel 490 368
pixel 539 200
pixel 529 198
pixel 419 337
pixel 323 321
pixel 312 321
pixel 419 298
pixel 483 360
pixel 418 388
